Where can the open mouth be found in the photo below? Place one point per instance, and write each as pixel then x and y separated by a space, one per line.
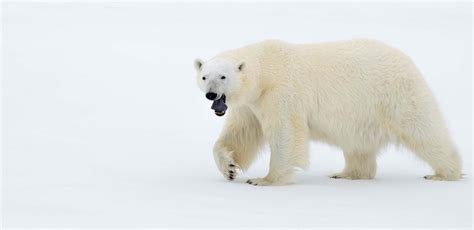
pixel 219 106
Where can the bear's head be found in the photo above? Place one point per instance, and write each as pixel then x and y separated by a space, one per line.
pixel 219 79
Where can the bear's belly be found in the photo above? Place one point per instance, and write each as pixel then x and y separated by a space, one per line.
pixel 319 136
pixel 351 137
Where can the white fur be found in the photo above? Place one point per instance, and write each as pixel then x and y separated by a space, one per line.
pixel 358 95
pixel 212 73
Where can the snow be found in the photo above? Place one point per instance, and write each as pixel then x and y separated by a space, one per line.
pixel 104 126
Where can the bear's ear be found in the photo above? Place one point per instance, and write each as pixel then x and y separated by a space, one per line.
pixel 198 64
pixel 241 66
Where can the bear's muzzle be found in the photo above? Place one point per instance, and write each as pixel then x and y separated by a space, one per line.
pixel 219 106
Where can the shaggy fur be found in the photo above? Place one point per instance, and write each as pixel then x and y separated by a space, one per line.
pixel 358 95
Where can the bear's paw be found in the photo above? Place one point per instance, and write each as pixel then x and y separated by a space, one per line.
pixel 228 167
pixel 259 181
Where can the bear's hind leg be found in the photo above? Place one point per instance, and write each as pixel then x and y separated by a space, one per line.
pixel 438 152
pixel 425 133
pixel 359 165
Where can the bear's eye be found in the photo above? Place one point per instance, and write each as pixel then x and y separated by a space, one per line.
pixel 203 78
pixel 222 77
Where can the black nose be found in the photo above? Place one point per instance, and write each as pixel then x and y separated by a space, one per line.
pixel 211 95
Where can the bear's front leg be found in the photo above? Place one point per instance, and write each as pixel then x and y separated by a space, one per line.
pixel 289 150
pixel 238 143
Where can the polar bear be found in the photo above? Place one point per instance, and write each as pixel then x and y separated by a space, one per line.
pixel 359 95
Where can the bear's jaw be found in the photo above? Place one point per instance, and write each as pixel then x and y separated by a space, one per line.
pixel 219 113
pixel 219 106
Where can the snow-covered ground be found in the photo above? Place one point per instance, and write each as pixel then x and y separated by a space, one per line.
pixel 103 125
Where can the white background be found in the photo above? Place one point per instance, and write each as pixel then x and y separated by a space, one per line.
pixel 103 125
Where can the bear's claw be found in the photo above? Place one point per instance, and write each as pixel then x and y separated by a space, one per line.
pixel 440 178
pixel 227 166
pixel 339 176
pixel 434 177
pixel 258 181
pixel 252 183
pixel 230 172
